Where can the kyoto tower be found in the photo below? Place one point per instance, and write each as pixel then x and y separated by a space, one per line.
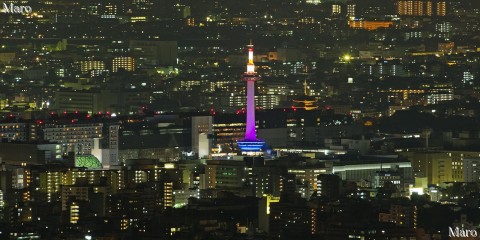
pixel 250 143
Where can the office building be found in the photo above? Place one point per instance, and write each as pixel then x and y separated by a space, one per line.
pixel 291 217
pixel 126 63
pixel 225 174
pixel 202 134
pixel 154 53
pixel 328 185
pixel 422 8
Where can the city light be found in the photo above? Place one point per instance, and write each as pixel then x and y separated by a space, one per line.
pixel 315 119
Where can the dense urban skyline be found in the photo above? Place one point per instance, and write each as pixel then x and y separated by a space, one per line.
pixel 228 119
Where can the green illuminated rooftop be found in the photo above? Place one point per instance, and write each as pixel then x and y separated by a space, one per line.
pixel 88 161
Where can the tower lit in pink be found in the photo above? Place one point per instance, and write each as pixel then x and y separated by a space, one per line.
pixel 250 142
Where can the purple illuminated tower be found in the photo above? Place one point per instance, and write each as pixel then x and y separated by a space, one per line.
pixel 250 143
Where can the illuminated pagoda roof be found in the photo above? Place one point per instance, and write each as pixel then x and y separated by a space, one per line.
pixel 306 102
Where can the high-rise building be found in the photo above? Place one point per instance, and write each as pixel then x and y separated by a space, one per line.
pixel 127 63
pixel 468 77
pixel 106 153
pixel 250 143
pixel 292 218
pixel 328 185
pixel 264 211
pixel 313 2
pixel 89 65
pixel 140 6
pixel 19 132
pixel 202 129
pixel 119 102
pixel 401 214
pixel 336 9
pixel 167 195
pixel 471 169
pixel 266 180
pixel 441 8
pixel 351 10
pixel 21 178
pixel 306 178
pixel 442 166
pixel 182 11
pixel 422 7
pixel 154 53
pixel 438 94
pixel 80 193
pixel 79 138
pixel 225 174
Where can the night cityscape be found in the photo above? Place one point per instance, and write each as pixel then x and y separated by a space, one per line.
pixel 240 119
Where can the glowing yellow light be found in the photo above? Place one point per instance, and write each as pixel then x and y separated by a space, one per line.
pixel 347 57
pixel 169 165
